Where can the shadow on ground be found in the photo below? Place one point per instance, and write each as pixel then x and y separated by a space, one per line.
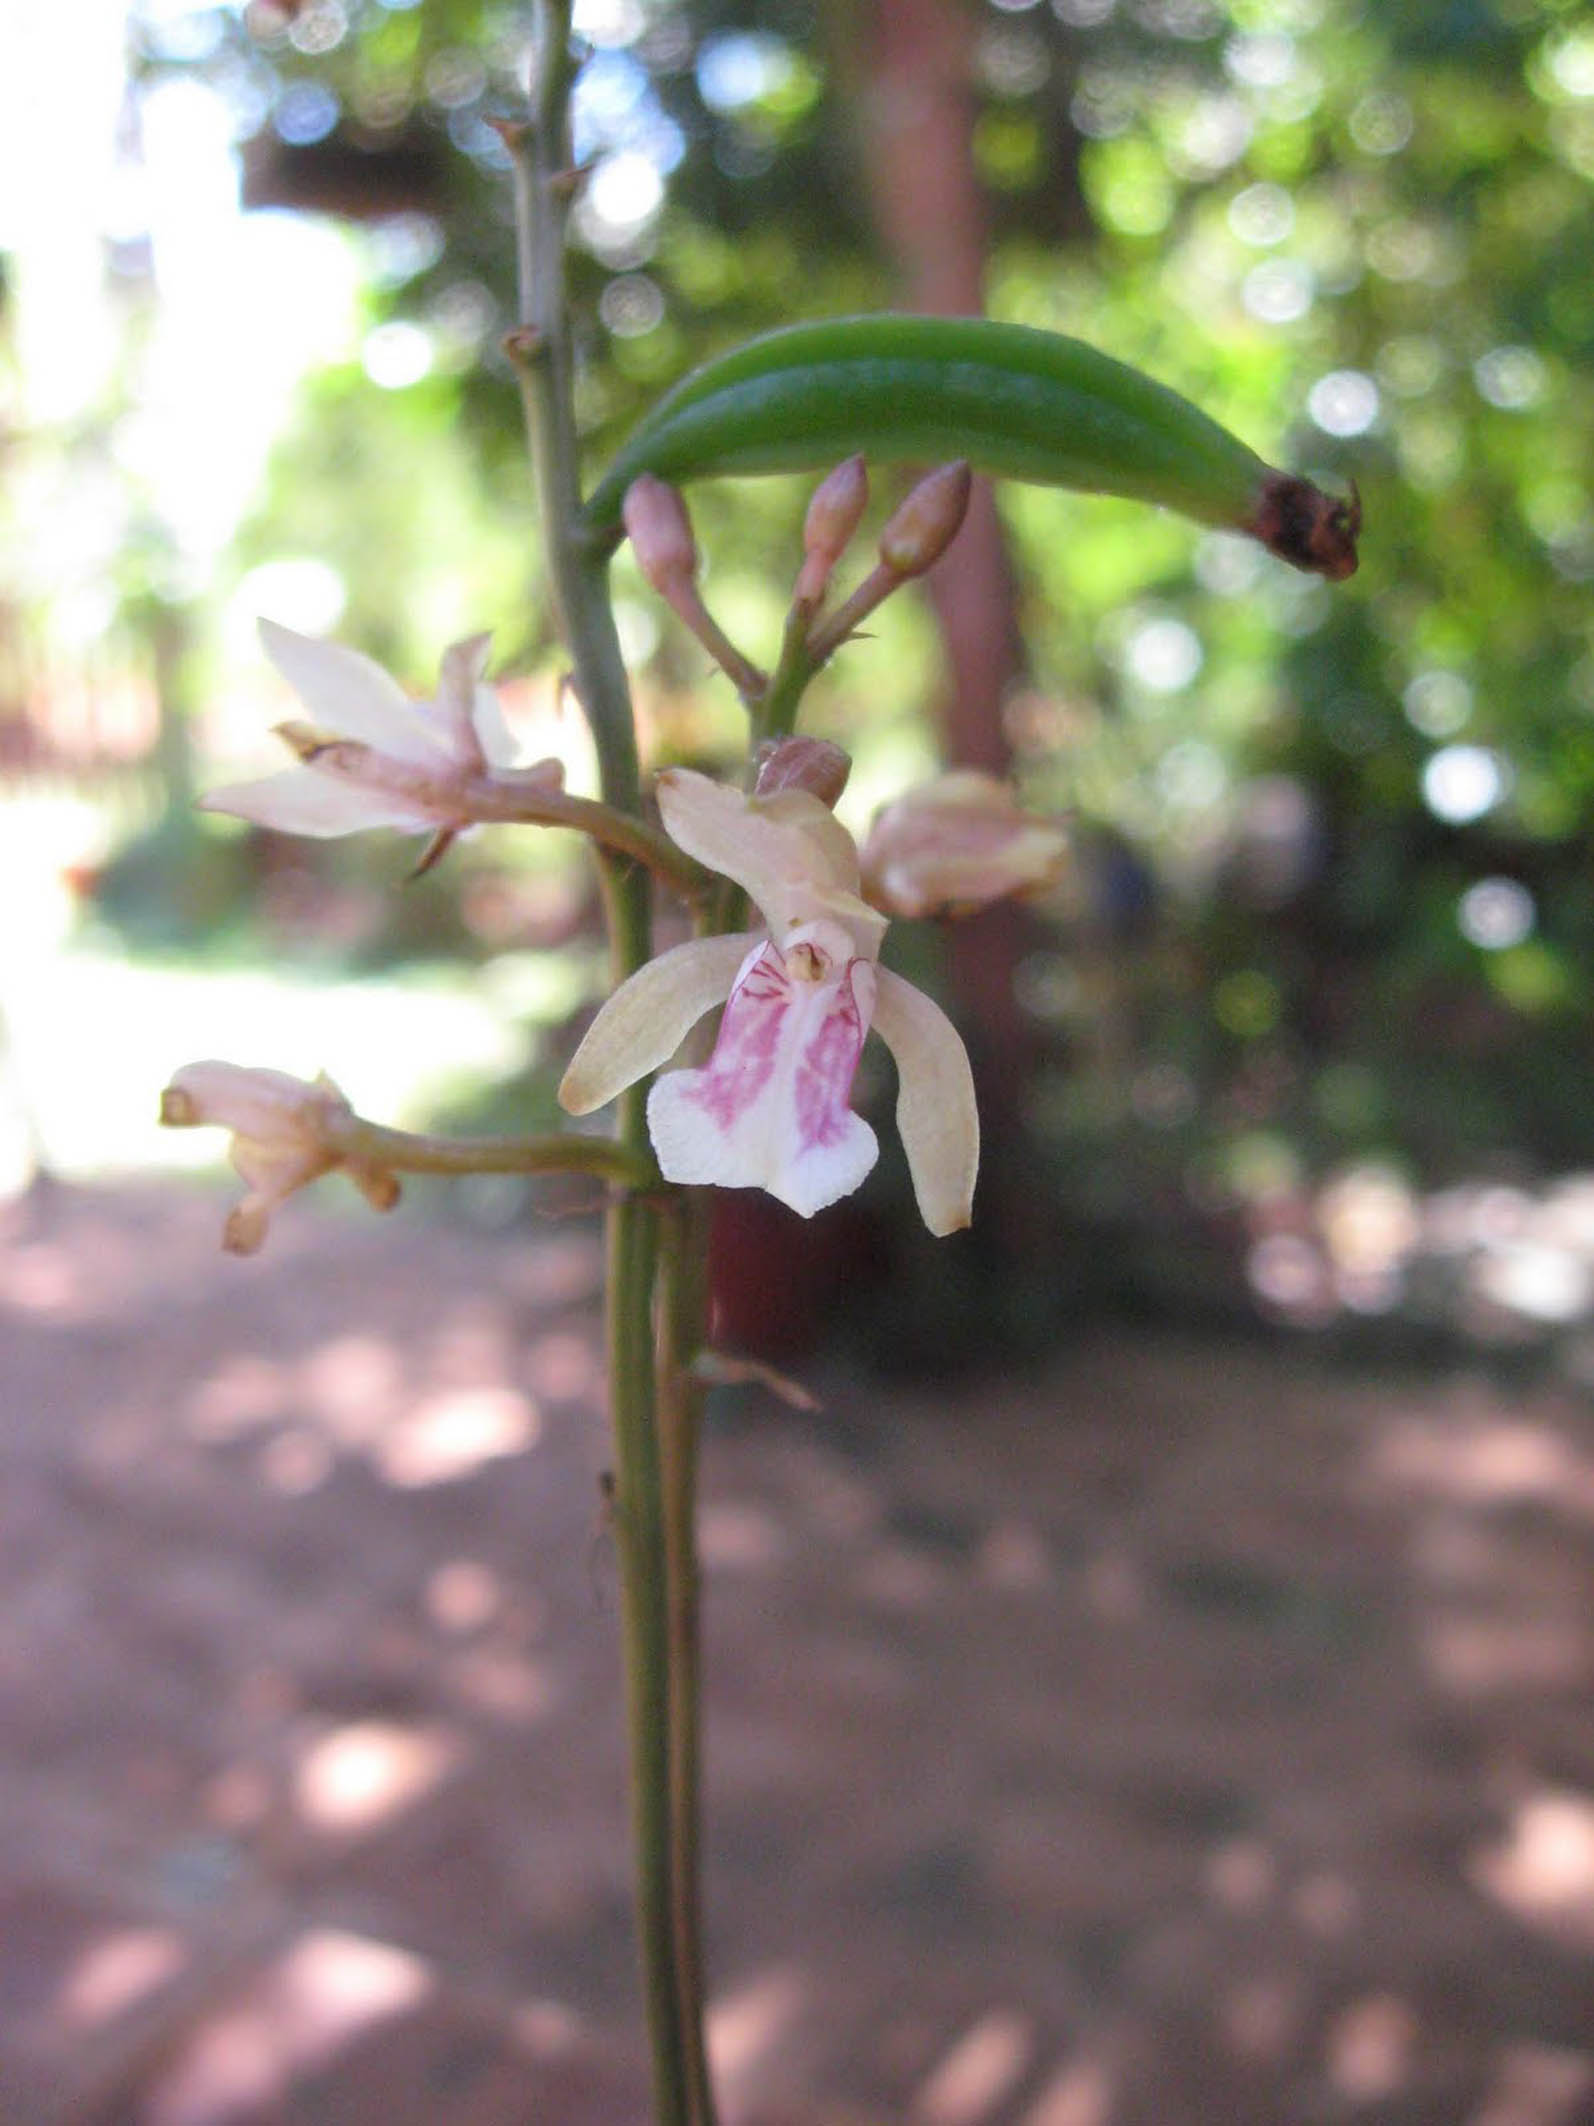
pixel 1184 1735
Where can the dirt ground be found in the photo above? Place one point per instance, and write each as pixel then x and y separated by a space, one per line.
pixel 1188 1736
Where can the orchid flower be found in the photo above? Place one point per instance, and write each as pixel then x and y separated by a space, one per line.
pixel 371 757
pixel 281 1126
pixel 957 844
pixel 770 1108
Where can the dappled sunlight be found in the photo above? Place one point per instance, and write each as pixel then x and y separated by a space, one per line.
pixel 358 1778
pixel 118 1971
pixel 738 1535
pixel 563 1367
pixel 1483 1461
pixel 463 1595
pixel 750 2023
pixel 244 1391
pixel 355 1386
pixel 41 1279
pixel 353 1396
pixel 978 2073
pixel 452 1435
pixel 1081 2094
pixel 295 1462
pixel 969 1722
pixel 507 1686
pixel 1369 2048
pixel 1542 1870
pixel 323 1992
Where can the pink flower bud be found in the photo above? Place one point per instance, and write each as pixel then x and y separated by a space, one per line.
pixel 956 845
pixel 838 504
pixel 921 530
pixel 811 764
pixel 660 532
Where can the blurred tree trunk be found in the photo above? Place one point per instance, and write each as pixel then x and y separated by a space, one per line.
pixel 909 66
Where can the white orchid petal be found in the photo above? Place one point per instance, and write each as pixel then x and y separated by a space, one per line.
pixel 770 1109
pixel 301 801
pixel 493 735
pixel 936 1115
pixel 648 1017
pixel 352 697
pixel 787 852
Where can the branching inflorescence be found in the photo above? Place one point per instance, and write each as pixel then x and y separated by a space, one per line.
pixel 787 911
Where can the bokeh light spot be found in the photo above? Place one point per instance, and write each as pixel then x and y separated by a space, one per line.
pixel 1344 403
pixel 1496 914
pixel 1462 783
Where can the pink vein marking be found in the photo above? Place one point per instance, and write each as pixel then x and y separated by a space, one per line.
pixel 749 1040
pixel 824 1075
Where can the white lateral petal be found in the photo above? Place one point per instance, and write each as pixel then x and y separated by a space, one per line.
pixel 648 1017
pixel 936 1115
pixel 493 734
pixel 299 801
pixel 770 1108
pixel 350 696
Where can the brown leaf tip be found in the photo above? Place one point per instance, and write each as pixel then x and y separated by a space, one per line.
pixel 1307 528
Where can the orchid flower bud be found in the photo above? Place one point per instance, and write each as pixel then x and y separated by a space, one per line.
pixel 956 845
pixel 660 532
pixel 918 533
pixel 833 516
pixel 811 764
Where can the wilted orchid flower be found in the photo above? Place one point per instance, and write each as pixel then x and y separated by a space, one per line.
pixel 280 1127
pixel 770 1108
pixel 956 844
pixel 371 757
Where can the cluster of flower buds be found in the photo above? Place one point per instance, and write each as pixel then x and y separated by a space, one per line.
pixel 285 1135
pixel 912 540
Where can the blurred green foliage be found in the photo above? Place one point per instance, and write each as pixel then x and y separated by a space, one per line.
pixel 1333 892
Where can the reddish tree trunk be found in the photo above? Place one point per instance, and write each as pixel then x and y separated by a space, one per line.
pixel 915 113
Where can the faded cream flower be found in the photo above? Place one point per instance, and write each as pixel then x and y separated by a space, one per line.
pixel 369 756
pixel 281 1128
pixel 956 844
pixel 770 1109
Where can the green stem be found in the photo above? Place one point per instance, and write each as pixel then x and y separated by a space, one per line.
pixel 497 801
pixel 577 577
pixel 774 715
pixel 683 1311
pixel 402 1152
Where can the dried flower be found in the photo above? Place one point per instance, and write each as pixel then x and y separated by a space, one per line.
pixel 282 1129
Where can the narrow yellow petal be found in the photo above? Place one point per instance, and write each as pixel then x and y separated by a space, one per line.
pixel 648 1017
pixel 936 1115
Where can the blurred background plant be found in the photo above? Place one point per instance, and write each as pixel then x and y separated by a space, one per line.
pixel 1303 1035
